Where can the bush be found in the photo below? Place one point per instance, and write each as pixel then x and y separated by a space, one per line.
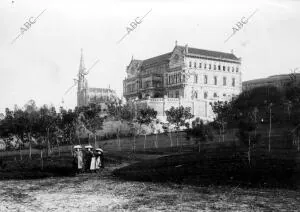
pixel 200 130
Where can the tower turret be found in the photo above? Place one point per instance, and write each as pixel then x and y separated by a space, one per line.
pixel 82 84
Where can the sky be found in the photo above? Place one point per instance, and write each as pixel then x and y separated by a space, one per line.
pixel 42 63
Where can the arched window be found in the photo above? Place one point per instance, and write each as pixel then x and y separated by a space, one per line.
pixel 209 66
pixel 194 95
pixel 205 79
pixel 195 65
pixel 200 65
pixel 190 64
pixel 215 95
pixel 205 95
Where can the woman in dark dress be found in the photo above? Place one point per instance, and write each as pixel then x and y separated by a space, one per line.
pixel 88 157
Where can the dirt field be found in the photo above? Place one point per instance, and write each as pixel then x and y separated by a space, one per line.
pixel 92 192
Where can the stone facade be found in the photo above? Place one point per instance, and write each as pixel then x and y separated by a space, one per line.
pixel 86 95
pixel 199 107
pixel 189 75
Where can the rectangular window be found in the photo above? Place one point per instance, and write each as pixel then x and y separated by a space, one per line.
pixel 200 65
pixel 209 66
pixel 195 78
pixel 195 65
pixel 215 80
pixel 219 67
pixel 205 79
pixel 224 68
pixel 224 81
pixel 233 82
pixel 215 67
pixel 204 65
pixel 190 64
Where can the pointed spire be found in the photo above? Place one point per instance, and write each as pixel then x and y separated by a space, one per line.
pixel 81 66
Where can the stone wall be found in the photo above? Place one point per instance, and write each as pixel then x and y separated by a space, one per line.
pixel 199 107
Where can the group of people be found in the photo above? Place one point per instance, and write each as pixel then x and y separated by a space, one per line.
pixel 88 160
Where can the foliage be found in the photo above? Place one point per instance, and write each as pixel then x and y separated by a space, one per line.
pixel 179 115
pixel 200 130
pixel 146 116
pixel 90 116
pixel 43 124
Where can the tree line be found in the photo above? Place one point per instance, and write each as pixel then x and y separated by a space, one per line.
pixel 44 127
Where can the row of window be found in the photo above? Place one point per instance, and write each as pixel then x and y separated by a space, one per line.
pixel 139 85
pixel 176 78
pixel 214 67
pixel 205 95
pixel 215 80
pixel 130 88
pixel 194 94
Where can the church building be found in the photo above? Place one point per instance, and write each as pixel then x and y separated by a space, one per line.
pixel 87 95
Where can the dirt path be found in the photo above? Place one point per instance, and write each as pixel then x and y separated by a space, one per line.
pixel 90 192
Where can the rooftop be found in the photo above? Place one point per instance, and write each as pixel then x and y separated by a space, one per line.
pixel 164 58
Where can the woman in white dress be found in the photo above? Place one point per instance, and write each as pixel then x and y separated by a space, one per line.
pixel 93 161
pixel 78 158
pixel 99 162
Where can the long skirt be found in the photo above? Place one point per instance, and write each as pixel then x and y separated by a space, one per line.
pixel 98 162
pixel 79 162
pixel 93 164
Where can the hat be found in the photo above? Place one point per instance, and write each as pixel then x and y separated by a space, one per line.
pixel 77 147
pixel 88 147
pixel 99 149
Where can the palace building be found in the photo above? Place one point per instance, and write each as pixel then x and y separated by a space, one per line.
pixel 186 75
pixel 87 95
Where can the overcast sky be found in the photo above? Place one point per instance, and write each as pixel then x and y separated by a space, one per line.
pixel 42 63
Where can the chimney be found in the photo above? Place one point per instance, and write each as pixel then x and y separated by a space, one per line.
pixel 231 51
pixel 186 49
pixel 175 43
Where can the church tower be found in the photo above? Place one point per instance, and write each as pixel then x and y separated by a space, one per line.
pixel 82 84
